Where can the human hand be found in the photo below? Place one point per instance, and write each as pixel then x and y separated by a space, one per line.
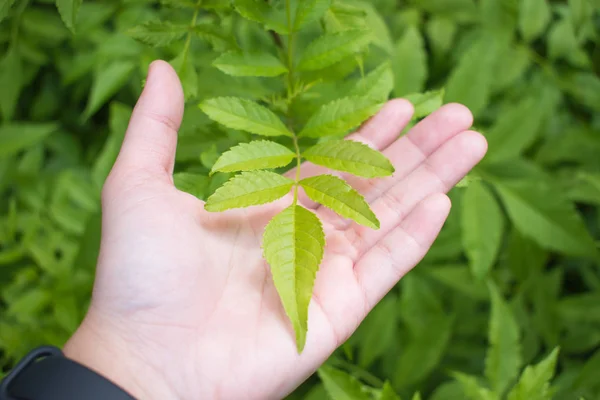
pixel 184 306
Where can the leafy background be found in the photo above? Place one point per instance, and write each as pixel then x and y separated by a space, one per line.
pixel 514 277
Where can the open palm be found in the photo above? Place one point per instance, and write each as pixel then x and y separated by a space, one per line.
pixel 184 305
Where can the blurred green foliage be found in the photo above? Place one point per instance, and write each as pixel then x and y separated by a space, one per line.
pixel 515 273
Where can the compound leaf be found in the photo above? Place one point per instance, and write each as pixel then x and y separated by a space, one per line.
pixel 245 115
pixel 337 195
pixel 156 33
pixel 331 48
pixel 249 189
pixel 349 156
pixel 534 383
pixel 339 116
pixel 260 154
pixel 106 83
pixel 237 63
pixel 293 246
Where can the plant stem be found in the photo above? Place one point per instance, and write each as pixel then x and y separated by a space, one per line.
pixel 188 40
pixel 290 89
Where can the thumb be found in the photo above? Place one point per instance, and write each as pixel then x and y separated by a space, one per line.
pixel 151 138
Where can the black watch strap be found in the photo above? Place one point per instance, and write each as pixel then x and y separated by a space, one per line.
pixel 45 374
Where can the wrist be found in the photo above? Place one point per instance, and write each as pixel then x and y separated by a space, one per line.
pixel 101 348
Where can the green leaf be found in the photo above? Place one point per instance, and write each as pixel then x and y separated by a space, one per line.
pixel 194 184
pixel 562 40
pixel 107 82
pixel 378 331
pixel 263 13
pixel 340 116
pixel 388 392
pixel 215 36
pixel 519 126
pixel 534 17
pixel 331 48
pixel 5 8
pixel 249 189
pixel 483 228
pixel 426 103
pixel 260 154
pixel 186 71
pixel 68 10
pixel 11 82
pixel 544 215
pixel 18 136
pixel 441 32
pixel 157 33
pixel 410 63
pixel 471 81
pixel 293 246
pixel 503 359
pixel 472 388
pixel 349 156
pixel 250 64
pixel 585 87
pixel 337 195
pixel 377 84
pixel 534 383
pixel 340 385
pixel 245 115
pixel 309 11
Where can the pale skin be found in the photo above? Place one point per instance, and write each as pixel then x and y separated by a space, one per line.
pixel 184 306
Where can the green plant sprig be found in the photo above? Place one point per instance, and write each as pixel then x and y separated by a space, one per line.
pixel 294 241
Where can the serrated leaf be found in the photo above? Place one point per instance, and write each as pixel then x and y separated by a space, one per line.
pixel 349 156
pixel 472 389
pixel 426 103
pixel 331 48
pixel 157 33
pixel 546 216
pixel 11 82
pixel 340 116
pixel 377 84
pixel 5 8
pixel 260 154
pixel 534 16
pixel 309 11
pixel 236 63
pixel 336 194
pixel 107 83
pixel 503 360
pixel 187 73
pixel 410 63
pixel 534 383
pixel 293 246
pixel 194 184
pixel 341 385
pixel 18 136
pixel 68 10
pixel 245 115
pixel 483 228
pixel 249 189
